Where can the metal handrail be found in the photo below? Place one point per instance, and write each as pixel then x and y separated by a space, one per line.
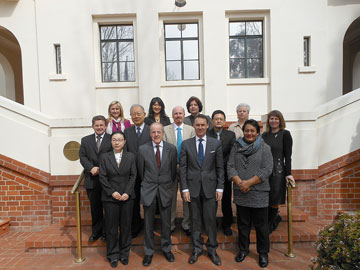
pixel 75 190
pixel 290 253
pixel 77 183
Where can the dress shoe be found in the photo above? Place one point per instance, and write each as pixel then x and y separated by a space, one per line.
pixel 240 256
pixel 194 257
pixel 169 256
pixel 124 261
pixel 103 238
pixel 263 260
pixel 215 259
pixel 187 232
pixel 94 237
pixel 147 260
pixel 227 231
pixel 114 263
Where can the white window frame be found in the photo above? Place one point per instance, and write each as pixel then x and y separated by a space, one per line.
pixel 181 18
pixel 99 20
pixel 260 15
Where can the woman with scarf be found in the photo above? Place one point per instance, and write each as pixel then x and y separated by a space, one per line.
pixel 116 120
pixel 249 167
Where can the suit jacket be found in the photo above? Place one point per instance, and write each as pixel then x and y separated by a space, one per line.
pixel 154 179
pixel 188 132
pixel 114 178
pixel 133 141
pixel 165 120
pixel 189 120
pixel 89 157
pixel 209 176
pixel 227 139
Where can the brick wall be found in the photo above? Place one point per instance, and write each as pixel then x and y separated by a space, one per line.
pixel 33 199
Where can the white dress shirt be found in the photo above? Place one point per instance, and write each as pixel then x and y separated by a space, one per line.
pixel 176 131
pixel 161 147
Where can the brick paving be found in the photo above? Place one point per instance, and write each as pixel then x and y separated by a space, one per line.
pixel 14 255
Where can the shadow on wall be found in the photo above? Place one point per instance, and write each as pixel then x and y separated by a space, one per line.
pixel 355 144
pixel 342 2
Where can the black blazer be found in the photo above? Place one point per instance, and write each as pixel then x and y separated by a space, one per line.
pixel 114 178
pixel 163 120
pixel 132 140
pixel 227 139
pixel 89 157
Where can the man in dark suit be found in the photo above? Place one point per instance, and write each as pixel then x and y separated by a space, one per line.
pixel 92 146
pixel 202 184
pixel 227 139
pixel 136 135
pixel 157 163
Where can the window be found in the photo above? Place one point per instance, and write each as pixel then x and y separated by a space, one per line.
pixel 58 58
pixel 182 51
pixel 306 51
pixel 246 49
pixel 117 53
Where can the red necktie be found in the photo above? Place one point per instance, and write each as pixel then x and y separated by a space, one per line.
pixel 157 156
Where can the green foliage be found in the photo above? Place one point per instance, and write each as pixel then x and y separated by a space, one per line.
pixel 338 246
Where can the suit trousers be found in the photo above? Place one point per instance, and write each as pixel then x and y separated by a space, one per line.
pixel 186 215
pixel 259 217
pixel 136 218
pixel 226 205
pixel 149 220
pixel 96 208
pixel 118 214
pixel 203 208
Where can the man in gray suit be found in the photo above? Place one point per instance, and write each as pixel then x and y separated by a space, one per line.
pixel 202 184
pixel 175 134
pixel 157 162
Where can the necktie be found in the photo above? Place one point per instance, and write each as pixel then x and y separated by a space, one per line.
pixel 98 142
pixel 138 132
pixel 179 142
pixel 157 156
pixel 201 152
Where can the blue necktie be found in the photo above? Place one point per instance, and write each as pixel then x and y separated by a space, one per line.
pixel 138 131
pixel 201 152
pixel 179 142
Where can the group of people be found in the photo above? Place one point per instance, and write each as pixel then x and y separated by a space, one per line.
pixel 146 163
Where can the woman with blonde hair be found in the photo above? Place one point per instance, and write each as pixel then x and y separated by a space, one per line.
pixel 116 120
pixel 280 141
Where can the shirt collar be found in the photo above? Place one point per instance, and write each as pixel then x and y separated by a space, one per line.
pixel 101 136
pixel 176 126
pixel 197 138
pixel 142 126
pixel 161 144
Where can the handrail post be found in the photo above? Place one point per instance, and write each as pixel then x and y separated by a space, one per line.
pixel 79 255
pixel 290 253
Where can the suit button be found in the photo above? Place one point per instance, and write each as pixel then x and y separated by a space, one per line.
pixel 200 170
pixel 159 174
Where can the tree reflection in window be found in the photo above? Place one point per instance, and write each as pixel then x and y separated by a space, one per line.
pixel 246 49
pixel 117 53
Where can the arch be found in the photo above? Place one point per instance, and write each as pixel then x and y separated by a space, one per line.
pixel 10 67
pixel 351 49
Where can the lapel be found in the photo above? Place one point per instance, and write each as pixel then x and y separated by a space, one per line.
pixel 112 160
pixel 207 150
pixel 165 154
pixel 93 142
pixel 151 154
pixel 104 140
pixel 172 135
pixel 144 134
pixel 186 132
pixel 193 150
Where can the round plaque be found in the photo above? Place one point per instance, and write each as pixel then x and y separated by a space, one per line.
pixel 71 150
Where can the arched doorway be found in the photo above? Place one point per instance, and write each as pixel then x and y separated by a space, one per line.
pixel 351 57
pixel 11 83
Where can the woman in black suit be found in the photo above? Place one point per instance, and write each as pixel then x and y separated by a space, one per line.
pixel 117 177
pixel 157 113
